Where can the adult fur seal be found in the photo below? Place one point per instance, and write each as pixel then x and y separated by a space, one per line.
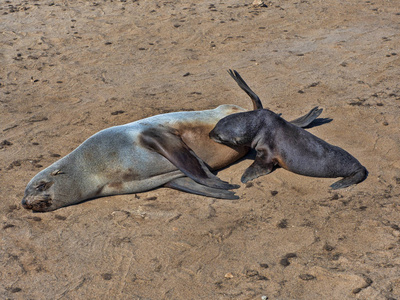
pixel 278 142
pixel 157 151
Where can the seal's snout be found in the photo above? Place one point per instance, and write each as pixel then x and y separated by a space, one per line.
pixel 219 138
pixel 214 136
pixel 25 204
pixel 42 204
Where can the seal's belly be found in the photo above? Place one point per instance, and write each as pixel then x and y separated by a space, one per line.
pixel 124 166
pixel 194 127
pixel 138 174
pixel 215 155
pixel 128 167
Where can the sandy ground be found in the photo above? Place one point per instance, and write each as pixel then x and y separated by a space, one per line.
pixel 71 68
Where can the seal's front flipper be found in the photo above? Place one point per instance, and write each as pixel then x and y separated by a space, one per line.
pixel 187 184
pixel 170 145
pixel 355 178
pixel 243 85
pixel 307 119
pixel 261 166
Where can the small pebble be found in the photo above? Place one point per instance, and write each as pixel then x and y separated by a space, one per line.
pixel 284 262
pixel 251 273
pixel 5 143
pixel 106 276
pixel 306 277
pixel 118 112
pixel 228 276
pixel 283 223
pixel 274 193
pixel 16 290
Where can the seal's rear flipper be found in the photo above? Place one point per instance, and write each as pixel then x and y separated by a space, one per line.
pixel 186 184
pixel 307 119
pixel 170 145
pixel 357 177
pixel 303 121
pixel 243 85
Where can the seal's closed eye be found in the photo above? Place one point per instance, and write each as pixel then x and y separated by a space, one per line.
pixel 42 186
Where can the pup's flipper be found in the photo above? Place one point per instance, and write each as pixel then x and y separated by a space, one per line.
pixel 355 178
pixel 262 165
pixel 187 184
pixel 306 120
pixel 243 85
pixel 303 121
pixel 170 145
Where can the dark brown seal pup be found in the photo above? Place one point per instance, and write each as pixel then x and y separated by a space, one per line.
pixel 143 155
pixel 278 142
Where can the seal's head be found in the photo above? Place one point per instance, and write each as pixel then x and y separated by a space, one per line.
pixel 236 129
pixel 49 190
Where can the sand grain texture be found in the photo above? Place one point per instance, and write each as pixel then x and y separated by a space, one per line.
pixel 71 68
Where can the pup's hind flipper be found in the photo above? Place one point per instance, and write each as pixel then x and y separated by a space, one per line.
pixel 243 85
pixel 307 119
pixel 355 178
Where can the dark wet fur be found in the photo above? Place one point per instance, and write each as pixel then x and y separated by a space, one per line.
pixel 284 144
pixel 243 85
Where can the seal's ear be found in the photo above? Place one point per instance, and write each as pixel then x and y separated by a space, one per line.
pixel 56 172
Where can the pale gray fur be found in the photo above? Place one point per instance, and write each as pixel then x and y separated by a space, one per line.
pixel 99 164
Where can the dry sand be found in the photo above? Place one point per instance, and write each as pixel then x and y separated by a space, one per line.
pixel 71 68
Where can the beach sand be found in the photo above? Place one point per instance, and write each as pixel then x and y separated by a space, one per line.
pixel 71 68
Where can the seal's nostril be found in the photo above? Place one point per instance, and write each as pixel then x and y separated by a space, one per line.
pixel 26 205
